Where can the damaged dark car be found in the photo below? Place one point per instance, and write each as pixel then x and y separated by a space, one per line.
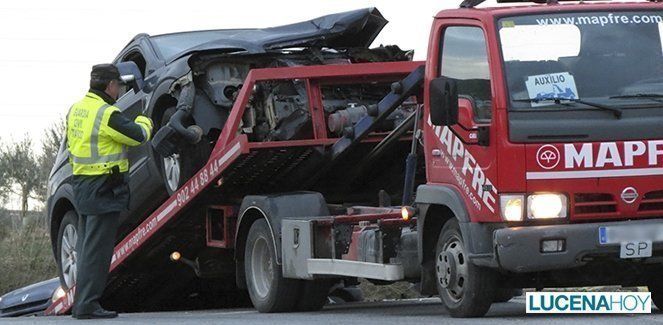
pixel 187 83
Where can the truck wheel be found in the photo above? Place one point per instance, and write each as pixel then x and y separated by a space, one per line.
pixel 269 291
pixel 67 253
pixel 180 167
pixel 465 289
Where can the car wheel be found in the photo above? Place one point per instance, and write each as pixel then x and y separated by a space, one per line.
pixel 67 252
pixel 180 167
pixel 269 290
pixel 465 289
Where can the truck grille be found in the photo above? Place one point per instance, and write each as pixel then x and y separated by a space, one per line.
pixel 593 204
pixel 652 201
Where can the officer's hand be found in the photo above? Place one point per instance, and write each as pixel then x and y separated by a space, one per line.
pixel 146 123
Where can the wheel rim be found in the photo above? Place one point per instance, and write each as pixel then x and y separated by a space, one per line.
pixel 262 267
pixel 69 255
pixel 452 269
pixel 171 166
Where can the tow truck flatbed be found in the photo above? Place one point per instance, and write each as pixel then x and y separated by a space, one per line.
pixel 237 163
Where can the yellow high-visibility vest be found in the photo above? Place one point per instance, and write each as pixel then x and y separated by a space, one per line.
pixel 94 147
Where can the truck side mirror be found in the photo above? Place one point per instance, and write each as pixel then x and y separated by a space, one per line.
pixel 443 101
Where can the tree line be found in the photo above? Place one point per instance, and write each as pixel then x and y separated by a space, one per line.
pixel 23 171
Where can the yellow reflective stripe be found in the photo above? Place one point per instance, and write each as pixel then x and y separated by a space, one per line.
pixel 94 137
pixel 95 158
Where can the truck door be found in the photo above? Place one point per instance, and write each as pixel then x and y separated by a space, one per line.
pixel 463 155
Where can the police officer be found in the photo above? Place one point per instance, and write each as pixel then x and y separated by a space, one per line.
pixel 97 138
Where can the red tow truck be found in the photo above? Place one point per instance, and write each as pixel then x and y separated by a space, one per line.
pixel 532 159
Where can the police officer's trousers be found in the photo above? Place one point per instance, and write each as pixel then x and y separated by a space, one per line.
pixel 96 239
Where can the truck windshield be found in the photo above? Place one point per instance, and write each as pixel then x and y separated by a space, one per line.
pixel 613 59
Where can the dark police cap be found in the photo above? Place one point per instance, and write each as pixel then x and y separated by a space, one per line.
pixel 105 72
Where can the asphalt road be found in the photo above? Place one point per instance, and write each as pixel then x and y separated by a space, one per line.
pixel 424 311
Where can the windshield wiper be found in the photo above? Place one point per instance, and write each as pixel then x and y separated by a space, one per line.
pixel 616 111
pixel 653 96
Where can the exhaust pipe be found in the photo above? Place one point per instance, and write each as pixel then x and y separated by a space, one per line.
pixel 193 133
pixel 166 140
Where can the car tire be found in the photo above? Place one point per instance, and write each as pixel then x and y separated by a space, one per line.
pixel 177 169
pixel 67 253
pixel 270 292
pixel 465 289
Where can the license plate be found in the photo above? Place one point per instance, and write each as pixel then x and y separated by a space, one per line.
pixel 635 249
pixel 613 235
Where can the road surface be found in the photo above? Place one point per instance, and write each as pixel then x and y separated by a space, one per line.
pixel 423 311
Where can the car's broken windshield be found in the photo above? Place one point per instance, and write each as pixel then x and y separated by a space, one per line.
pixel 593 56
pixel 171 44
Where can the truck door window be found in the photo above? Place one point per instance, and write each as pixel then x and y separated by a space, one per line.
pixel 465 59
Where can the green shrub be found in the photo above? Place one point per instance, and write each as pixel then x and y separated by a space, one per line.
pixel 398 290
pixel 27 257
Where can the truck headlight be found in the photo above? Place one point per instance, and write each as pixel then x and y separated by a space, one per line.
pixel 546 206
pixel 511 206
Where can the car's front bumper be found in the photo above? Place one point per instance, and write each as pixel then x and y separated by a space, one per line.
pixel 29 309
pixel 518 249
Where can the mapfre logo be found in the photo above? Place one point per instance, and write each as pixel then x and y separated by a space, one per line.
pixel 548 157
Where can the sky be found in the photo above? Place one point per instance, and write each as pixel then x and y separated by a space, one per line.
pixel 48 47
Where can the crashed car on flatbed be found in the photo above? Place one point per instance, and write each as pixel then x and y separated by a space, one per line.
pixel 187 83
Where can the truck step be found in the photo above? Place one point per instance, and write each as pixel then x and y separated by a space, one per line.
pixel 378 271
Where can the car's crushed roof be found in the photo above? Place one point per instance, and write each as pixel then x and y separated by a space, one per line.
pixel 357 28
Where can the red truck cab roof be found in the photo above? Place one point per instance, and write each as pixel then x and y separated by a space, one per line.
pixel 514 10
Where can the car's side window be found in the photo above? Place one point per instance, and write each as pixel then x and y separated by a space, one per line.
pixel 136 57
pixel 465 59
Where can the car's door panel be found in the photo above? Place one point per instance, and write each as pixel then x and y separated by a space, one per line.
pixel 144 183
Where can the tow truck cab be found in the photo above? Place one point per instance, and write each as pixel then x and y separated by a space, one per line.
pixel 551 160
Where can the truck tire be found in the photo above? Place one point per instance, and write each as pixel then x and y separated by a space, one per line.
pixel 270 292
pixel 67 253
pixel 180 167
pixel 465 289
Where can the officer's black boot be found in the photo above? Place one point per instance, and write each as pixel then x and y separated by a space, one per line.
pixel 99 313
